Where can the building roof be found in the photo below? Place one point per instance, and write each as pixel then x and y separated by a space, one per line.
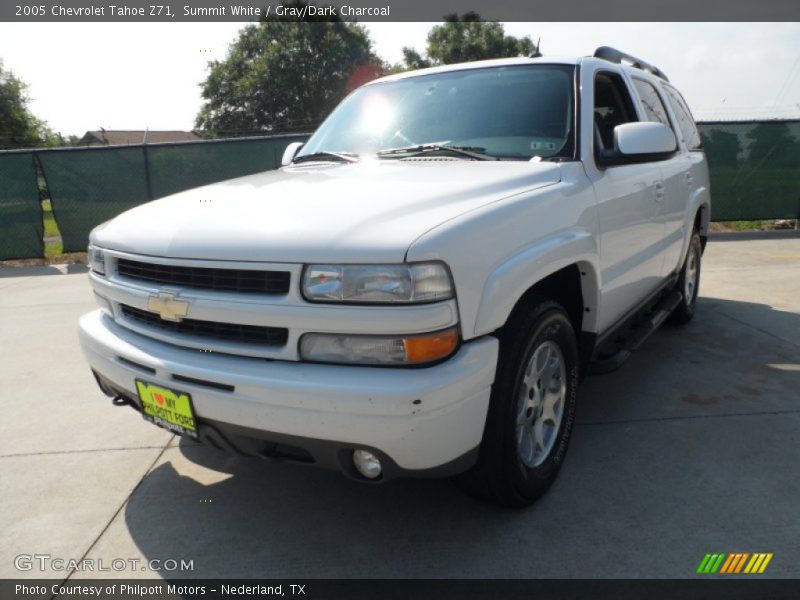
pixel 122 138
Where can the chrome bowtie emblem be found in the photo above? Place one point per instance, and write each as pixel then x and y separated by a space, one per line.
pixel 168 306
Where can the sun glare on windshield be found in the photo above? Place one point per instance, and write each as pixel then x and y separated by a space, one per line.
pixel 377 114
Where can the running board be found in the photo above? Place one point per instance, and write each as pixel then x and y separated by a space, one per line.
pixel 611 355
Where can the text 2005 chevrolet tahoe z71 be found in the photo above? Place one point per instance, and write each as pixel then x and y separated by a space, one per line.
pixel 420 288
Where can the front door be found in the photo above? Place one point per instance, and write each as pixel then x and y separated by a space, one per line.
pixel 630 210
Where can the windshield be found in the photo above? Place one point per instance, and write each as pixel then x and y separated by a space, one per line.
pixel 514 112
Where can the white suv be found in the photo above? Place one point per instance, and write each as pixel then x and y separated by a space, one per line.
pixel 420 288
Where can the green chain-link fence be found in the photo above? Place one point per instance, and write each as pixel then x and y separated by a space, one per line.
pixel 90 186
pixel 755 174
pixel 21 227
pixel 179 167
pixel 755 169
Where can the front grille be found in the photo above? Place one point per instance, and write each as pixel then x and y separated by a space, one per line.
pixel 227 280
pixel 247 334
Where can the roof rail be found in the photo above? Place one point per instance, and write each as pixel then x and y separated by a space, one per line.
pixel 617 56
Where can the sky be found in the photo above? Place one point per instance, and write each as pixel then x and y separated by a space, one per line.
pixel 136 76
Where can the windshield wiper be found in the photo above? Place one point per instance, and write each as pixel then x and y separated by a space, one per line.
pixel 337 156
pixel 469 151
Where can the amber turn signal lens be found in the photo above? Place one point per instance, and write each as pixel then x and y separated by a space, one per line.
pixel 431 347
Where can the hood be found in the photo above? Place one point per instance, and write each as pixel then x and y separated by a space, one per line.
pixel 370 211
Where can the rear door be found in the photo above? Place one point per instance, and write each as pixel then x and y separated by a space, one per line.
pixel 691 174
pixel 676 174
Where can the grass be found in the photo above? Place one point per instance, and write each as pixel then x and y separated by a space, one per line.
pixel 53 249
pixel 53 246
pixel 746 225
pixel 760 225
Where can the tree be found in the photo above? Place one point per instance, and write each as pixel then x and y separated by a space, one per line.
pixel 19 128
pixel 464 39
pixel 285 75
pixel 413 60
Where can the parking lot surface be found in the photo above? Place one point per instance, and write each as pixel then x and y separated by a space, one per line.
pixel 692 447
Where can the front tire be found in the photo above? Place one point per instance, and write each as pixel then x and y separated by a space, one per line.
pixel 532 408
pixel 689 282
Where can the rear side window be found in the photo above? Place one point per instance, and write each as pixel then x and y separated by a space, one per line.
pixel 651 102
pixel 686 124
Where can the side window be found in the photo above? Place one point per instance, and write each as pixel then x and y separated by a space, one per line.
pixel 686 124
pixel 651 102
pixel 612 106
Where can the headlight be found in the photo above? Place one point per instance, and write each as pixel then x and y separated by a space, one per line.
pixel 379 350
pixel 96 259
pixel 412 283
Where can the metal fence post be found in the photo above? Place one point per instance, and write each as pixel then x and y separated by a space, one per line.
pixel 147 182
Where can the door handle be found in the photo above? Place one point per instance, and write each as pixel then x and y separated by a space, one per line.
pixel 689 178
pixel 659 191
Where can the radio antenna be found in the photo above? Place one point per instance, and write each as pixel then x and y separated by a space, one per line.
pixel 537 49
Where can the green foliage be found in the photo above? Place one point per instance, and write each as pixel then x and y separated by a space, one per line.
pixel 19 128
pixel 747 225
pixel 285 75
pixel 413 60
pixel 58 139
pixel 467 38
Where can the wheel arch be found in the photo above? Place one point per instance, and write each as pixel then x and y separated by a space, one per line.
pixel 702 219
pixel 564 268
pixel 698 215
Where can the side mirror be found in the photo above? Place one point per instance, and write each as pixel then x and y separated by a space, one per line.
pixel 639 142
pixel 290 152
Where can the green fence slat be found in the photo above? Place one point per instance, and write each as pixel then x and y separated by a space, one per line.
pixel 21 228
pixel 754 169
pixel 174 168
pixel 88 187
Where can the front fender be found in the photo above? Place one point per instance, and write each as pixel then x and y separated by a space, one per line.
pixel 509 280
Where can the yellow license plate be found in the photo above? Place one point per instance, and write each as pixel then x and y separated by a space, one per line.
pixel 167 408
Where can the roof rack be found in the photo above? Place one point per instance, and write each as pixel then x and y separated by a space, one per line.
pixel 617 56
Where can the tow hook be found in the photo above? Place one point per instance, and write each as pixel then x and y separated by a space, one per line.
pixel 120 401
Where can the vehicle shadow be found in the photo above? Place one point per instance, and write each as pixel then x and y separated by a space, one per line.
pixel 38 270
pixel 257 519
pixel 237 517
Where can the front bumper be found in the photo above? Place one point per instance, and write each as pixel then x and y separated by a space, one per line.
pixel 425 421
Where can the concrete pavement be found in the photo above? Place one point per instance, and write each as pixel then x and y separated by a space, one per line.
pixel 692 447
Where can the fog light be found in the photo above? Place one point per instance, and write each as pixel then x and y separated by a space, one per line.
pixel 367 464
